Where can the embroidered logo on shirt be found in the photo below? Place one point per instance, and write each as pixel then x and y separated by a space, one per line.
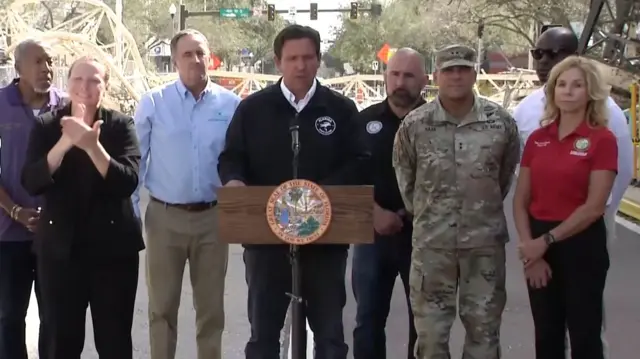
pixel 374 127
pixel 542 144
pixel 325 125
pixel 581 144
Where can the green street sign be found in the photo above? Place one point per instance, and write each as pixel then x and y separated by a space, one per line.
pixel 235 13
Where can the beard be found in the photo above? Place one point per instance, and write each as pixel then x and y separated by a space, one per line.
pixel 403 98
pixel 42 90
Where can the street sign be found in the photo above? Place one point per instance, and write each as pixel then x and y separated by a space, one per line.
pixel 374 65
pixel 235 13
pixel 292 11
pixel 257 11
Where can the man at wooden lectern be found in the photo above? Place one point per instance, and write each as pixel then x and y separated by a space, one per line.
pixel 258 151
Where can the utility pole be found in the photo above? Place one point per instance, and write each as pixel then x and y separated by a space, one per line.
pixel 533 33
pixel 480 45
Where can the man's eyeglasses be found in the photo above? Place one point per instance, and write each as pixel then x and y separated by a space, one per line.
pixel 538 54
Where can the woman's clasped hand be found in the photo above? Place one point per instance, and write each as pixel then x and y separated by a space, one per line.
pixel 76 130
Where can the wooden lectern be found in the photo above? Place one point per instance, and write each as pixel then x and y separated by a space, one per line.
pixel 247 215
pixel 242 218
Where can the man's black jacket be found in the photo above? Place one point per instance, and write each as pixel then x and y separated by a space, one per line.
pixel 258 142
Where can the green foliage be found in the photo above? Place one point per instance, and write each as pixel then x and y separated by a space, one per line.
pixel 509 23
pixel 403 24
pixel 308 227
pixel 427 25
pixel 226 36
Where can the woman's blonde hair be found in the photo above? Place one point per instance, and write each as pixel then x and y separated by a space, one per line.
pixel 597 91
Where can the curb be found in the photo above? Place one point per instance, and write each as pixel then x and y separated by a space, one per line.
pixel 630 208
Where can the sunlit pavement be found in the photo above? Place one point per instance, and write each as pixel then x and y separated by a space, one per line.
pixel 622 300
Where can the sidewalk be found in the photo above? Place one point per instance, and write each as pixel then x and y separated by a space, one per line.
pixel 630 204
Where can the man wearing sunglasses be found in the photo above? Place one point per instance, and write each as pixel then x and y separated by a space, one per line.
pixel 554 45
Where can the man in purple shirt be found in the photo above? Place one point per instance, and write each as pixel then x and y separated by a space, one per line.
pixel 20 102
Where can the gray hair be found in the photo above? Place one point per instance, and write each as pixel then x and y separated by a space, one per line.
pixel 21 50
pixel 182 33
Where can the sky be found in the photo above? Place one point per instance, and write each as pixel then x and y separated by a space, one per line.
pixel 325 20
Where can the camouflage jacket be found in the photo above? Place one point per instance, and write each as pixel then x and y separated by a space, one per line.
pixel 453 177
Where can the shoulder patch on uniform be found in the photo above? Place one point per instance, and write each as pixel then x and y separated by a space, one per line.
pixel 325 125
pixel 374 127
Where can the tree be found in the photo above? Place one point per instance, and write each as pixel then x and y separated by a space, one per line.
pixel 427 25
pixel 357 42
pixel 404 23
pixel 509 23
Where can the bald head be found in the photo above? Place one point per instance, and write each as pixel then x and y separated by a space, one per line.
pixel 564 38
pixel 405 78
pixel 407 56
pixel 553 46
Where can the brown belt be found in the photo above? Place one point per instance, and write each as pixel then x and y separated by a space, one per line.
pixel 189 207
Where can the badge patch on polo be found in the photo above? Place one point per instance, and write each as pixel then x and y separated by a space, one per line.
pixel 374 127
pixel 581 144
pixel 325 125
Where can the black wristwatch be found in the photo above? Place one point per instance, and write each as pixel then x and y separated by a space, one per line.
pixel 549 239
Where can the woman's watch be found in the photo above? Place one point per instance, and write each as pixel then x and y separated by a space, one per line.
pixel 549 239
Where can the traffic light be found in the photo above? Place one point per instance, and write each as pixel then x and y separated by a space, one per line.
pixel 313 12
pixel 354 11
pixel 271 12
pixel 376 9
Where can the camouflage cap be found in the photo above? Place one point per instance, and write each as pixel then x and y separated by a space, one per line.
pixel 455 55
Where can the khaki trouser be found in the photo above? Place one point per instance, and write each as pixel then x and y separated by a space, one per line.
pixel 173 237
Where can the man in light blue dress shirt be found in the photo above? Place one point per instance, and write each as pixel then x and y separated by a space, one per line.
pixel 181 127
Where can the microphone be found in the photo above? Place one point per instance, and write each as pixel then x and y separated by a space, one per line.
pixel 294 129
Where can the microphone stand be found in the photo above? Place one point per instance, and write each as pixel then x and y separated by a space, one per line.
pixel 298 320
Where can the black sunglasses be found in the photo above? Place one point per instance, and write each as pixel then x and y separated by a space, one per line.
pixel 538 54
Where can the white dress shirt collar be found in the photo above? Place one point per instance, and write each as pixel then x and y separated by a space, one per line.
pixel 292 98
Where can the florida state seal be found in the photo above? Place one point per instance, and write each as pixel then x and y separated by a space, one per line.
pixel 299 212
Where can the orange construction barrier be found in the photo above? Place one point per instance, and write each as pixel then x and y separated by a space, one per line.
pixel 359 95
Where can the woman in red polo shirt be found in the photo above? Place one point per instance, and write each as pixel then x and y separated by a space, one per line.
pixel 566 174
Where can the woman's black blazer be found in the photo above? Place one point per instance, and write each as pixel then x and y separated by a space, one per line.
pixel 84 212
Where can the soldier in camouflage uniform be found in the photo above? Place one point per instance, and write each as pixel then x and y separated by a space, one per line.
pixel 454 158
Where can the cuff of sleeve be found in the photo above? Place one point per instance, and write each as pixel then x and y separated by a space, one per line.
pixel 115 168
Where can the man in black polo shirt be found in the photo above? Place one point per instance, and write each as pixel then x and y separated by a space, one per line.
pixel 376 266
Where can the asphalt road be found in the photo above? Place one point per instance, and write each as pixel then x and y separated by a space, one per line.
pixel 622 305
